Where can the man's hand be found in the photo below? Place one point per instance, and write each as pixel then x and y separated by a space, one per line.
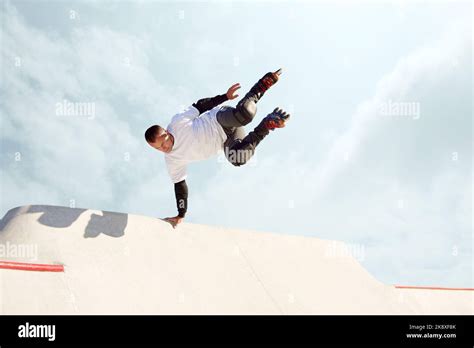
pixel 231 91
pixel 174 221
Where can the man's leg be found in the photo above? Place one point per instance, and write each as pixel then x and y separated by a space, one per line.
pixel 238 147
pixel 246 109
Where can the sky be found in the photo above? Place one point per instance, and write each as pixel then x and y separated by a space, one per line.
pixel 378 151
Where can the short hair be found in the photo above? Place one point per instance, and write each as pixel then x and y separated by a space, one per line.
pixel 152 132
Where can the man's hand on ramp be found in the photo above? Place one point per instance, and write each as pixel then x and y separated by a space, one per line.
pixel 173 221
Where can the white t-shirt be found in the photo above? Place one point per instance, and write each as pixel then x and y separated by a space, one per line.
pixel 196 137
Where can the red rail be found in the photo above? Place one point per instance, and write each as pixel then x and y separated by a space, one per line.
pixel 22 266
pixel 432 288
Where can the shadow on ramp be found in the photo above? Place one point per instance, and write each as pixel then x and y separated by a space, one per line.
pixel 110 223
pixel 59 217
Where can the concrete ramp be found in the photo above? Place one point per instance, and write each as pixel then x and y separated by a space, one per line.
pixel 118 263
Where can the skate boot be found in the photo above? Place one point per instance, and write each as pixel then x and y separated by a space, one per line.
pixel 259 89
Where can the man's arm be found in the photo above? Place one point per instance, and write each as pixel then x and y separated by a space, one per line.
pixel 181 194
pixel 206 104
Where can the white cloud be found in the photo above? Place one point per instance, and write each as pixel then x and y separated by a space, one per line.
pixel 77 157
pixel 387 182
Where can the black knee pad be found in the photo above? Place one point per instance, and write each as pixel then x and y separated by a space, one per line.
pixel 246 112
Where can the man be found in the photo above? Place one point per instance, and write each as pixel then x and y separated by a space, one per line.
pixel 205 128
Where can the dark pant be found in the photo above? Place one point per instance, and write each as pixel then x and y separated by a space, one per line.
pixel 239 147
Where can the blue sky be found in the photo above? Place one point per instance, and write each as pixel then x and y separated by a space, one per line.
pixel 378 152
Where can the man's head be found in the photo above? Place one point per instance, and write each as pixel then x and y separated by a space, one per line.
pixel 159 138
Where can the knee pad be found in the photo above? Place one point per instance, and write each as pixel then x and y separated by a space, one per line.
pixel 246 112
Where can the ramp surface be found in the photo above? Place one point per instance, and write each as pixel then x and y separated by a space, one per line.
pixel 118 263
